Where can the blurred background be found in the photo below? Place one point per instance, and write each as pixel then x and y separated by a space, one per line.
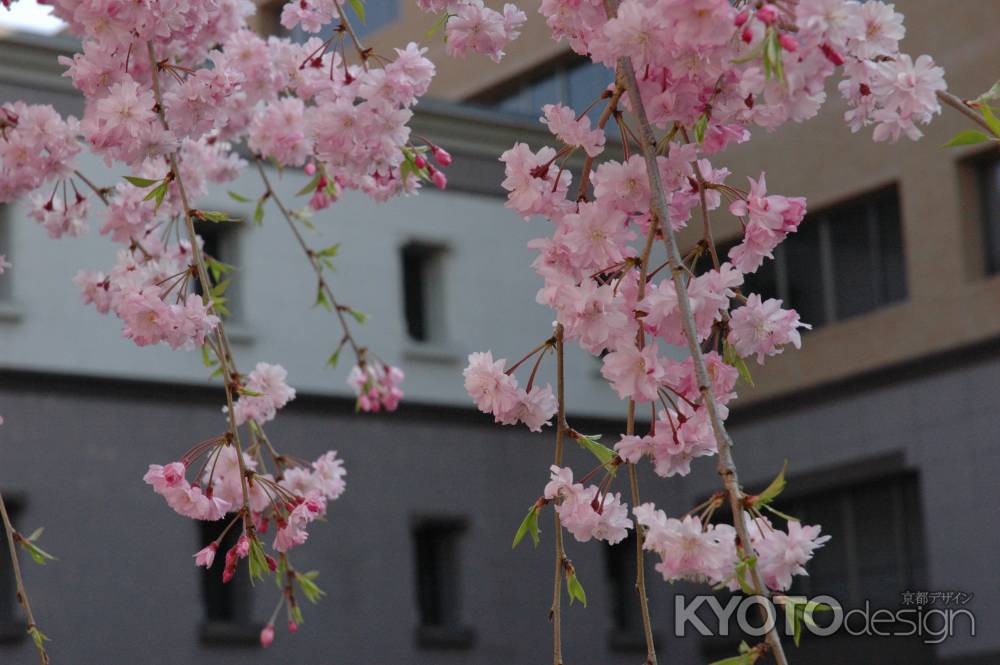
pixel 888 415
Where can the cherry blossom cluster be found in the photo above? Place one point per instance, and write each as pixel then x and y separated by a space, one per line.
pixel 495 391
pixel 690 550
pixel 470 26
pixel 708 73
pixel 376 386
pixel 587 512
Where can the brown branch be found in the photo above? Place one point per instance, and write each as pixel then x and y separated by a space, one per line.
pixel 560 552
pixel 963 107
pixel 22 594
pixel 726 466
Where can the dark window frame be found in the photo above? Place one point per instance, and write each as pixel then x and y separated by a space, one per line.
pixel 447 630
pixel 222 242
pixel 422 269
pixel 218 599
pixel 816 235
pixel 986 168
pixel 625 634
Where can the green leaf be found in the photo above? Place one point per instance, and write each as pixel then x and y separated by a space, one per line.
pixel 700 125
pixel 157 194
pixel 217 268
pixel 359 8
pixel 990 119
pixel 238 197
pixel 256 560
pixel 282 569
pixel 258 212
pixel 358 315
pixel 39 638
pixel 297 615
pixel 217 217
pixel 575 589
pixel 321 298
pixel 313 184
pixel 966 137
pixel 741 574
pixel 330 251
pixel 742 659
pixel 730 357
pixel 140 182
pixel 36 534
pixel 603 454
pixel 333 359
pixel 772 491
pixel 309 588
pixel 528 525
pixel 37 554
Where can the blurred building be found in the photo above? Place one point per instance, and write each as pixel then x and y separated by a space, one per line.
pixel 887 415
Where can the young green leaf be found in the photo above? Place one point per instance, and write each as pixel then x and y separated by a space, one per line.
pixel 37 554
pixel 966 137
pixel 217 217
pixel 733 359
pixel 528 525
pixel 309 587
pixel 359 8
pixel 256 560
pixel 575 589
pixel 772 491
pixel 330 251
pixel 140 182
pixel 258 212
pixel 603 454
pixel 438 25
pixel 321 298
pixel 990 119
pixel 239 198
pixel 358 315
pixel 311 186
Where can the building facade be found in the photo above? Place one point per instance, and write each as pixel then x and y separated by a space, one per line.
pixel 887 415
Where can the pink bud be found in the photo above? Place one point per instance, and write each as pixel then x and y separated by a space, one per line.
pixel 242 547
pixel 310 168
pixel 228 574
pixel 741 18
pixel 271 563
pixel 442 156
pixel 832 55
pixel 293 627
pixel 788 42
pixel 767 14
pixel 747 35
pixel 439 180
pixel 420 161
pixel 267 635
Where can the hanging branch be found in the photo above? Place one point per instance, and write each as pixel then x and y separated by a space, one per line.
pixel 560 552
pixel 22 594
pixel 727 465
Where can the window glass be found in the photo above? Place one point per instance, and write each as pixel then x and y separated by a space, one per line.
pixel 989 194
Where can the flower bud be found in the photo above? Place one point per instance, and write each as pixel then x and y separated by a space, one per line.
pixel 292 627
pixel 267 635
pixel 832 55
pixel 419 161
pixel 788 42
pixel 747 35
pixel 439 179
pixel 206 556
pixel 441 155
pixel 741 18
pixel 768 14
pixel 310 168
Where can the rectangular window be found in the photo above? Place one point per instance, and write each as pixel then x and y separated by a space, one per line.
pixel 438 583
pixel 227 606
pixel 988 184
pixel 626 618
pixel 844 261
pixel 423 291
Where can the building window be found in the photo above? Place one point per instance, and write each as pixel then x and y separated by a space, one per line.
pixel 438 581
pixel 575 83
pixel 988 183
pixel 626 618
pixel 220 241
pixel 875 555
pixel 11 622
pixel 844 261
pixel 423 291
pixel 227 606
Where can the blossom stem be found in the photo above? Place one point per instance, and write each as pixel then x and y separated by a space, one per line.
pixel 22 594
pixel 602 121
pixel 727 465
pixel 560 552
pixel 362 52
pixel 359 351
pixel 962 107
pixel 225 357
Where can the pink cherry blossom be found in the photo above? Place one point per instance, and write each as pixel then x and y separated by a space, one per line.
pixel 761 328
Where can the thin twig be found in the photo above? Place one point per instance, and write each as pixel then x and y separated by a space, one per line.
pixel 359 351
pixel 22 594
pixel 560 552
pixel 963 107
